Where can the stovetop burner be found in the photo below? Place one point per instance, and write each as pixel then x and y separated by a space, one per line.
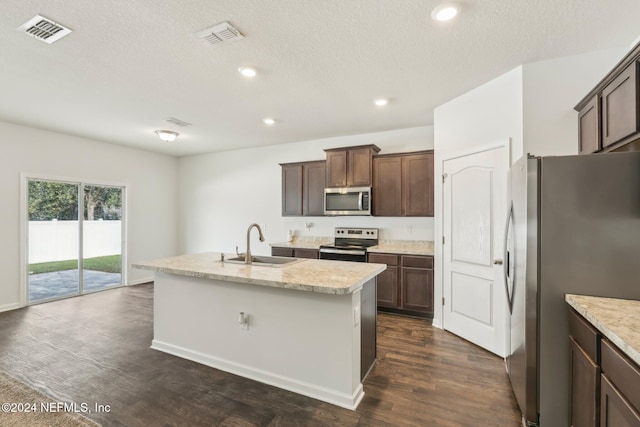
pixel 350 244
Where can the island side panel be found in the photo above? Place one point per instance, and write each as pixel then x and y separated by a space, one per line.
pixel 368 317
pixel 301 341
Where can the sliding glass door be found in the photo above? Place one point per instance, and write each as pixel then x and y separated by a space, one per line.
pixel 53 240
pixel 75 238
pixel 101 238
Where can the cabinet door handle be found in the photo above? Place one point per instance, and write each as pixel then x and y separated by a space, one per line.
pixel 497 261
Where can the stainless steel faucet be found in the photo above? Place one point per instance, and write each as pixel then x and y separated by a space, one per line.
pixel 247 259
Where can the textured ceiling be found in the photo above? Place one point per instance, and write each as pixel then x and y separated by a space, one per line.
pixel 128 65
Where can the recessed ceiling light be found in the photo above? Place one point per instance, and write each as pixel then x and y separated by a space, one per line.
pixel 445 12
pixel 268 121
pixel 381 102
pixel 247 71
pixel 167 135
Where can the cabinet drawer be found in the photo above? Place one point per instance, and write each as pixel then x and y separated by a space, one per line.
pixel 622 372
pixel 388 259
pixel 282 252
pixel 417 261
pixel 585 335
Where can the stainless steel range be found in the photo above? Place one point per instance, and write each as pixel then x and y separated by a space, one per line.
pixel 350 244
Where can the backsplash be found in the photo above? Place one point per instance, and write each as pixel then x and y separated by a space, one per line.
pixel 408 228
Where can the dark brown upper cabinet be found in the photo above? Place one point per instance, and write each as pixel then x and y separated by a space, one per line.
pixel 350 166
pixel 403 184
pixel 303 188
pixel 313 180
pixel 292 189
pixel 387 185
pixel 589 127
pixel 620 107
pixel 609 115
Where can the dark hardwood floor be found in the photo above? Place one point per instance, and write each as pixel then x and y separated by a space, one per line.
pixel 95 349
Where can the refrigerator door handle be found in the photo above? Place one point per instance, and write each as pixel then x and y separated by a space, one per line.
pixel 507 258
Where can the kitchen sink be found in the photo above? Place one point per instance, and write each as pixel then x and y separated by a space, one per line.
pixel 265 261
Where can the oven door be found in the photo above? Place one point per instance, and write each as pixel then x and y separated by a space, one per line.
pixel 347 201
pixel 354 255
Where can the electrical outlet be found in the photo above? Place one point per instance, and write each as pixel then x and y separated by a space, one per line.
pixel 243 319
pixel 356 316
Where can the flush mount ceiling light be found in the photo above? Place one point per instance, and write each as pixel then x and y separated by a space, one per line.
pixel 268 121
pixel 445 12
pixel 247 71
pixel 381 102
pixel 167 135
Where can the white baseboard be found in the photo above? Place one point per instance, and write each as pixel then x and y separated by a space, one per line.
pixel 140 281
pixel 307 389
pixel 12 306
pixel 436 323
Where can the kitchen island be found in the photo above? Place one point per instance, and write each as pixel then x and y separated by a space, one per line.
pixel 309 326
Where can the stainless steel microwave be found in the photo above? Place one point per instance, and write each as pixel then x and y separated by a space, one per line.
pixel 347 201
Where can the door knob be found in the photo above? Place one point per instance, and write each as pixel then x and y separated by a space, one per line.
pixel 497 261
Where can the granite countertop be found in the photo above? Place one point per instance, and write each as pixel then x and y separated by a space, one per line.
pixel 616 319
pixel 322 276
pixel 405 247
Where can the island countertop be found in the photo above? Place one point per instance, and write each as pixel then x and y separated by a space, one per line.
pixel 617 319
pixel 322 276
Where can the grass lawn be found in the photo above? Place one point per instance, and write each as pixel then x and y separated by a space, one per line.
pixel 108 264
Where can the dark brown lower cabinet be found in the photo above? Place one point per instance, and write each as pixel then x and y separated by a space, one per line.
pixel 368 316
pixel 282 252
pixel 388 287
pixel 584 345
pixel 620 396
pixel 295 252
pixel 615 410
pixel 417 289
pixel 585 388
pixel 387 281
pixel 406 286
pixel 605 383
pixel 306 253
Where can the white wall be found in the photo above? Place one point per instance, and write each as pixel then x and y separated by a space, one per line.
pixel 489 113
pixel 532 105
pixel 220 194
pixel 551 89
pixel 151 180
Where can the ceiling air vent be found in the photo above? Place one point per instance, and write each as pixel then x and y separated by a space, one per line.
pixel 177 122
pixel 43 29
pixel 219 34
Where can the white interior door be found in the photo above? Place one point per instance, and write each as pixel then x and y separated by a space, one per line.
pixel 474 214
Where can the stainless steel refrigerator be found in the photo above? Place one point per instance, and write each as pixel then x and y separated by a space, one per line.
pixel 573 227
